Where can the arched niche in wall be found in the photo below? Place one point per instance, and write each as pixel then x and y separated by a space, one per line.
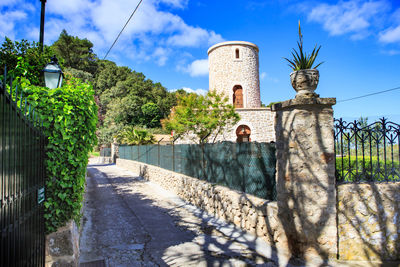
pixel 243 133
pixel 238 96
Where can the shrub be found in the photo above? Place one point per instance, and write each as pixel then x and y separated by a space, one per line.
pixel 69 116
pixel 131 136
pixel 368 170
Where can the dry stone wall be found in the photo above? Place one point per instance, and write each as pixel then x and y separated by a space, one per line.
pixel 369 221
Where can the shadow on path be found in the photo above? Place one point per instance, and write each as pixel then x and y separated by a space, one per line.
pixel 131 222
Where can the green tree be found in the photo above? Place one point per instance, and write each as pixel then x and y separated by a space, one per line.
pixel 108 74
pixel 128 103
pixel 84 76
pixel 24 60
pixel 204 116
pixel 75 53
pixel 151 115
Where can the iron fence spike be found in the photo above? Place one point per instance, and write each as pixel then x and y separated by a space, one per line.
pixel 16 93
pixel 11 80
pixel 20 101
pixel 25 107
pixel 5 76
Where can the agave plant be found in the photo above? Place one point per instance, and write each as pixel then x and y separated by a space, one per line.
pixel 302 60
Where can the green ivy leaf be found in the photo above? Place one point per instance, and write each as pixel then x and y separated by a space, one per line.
pixel 67 121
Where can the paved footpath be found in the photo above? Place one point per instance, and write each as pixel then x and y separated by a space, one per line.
pixel 129 221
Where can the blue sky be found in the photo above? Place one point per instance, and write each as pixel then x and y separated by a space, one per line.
pixel 167 40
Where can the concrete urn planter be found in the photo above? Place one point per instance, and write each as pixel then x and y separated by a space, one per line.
pixel 305 81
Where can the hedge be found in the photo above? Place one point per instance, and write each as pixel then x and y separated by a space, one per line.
pixel 369 170
pixel 69 116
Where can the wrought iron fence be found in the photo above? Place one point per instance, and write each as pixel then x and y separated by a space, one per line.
pixel 22 182
pixel 246 167
pixel 367 153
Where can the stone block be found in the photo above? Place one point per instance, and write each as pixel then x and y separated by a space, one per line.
pixel 253 220
pixel 369 221
pixel 62 247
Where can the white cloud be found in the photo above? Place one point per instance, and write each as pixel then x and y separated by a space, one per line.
pixel 149 21
pixel 396 15
pixel 161 55
pixel 391 35
pixel 267 77
pixel 391 52
pixel 198 91
pixel 8 2
pixel 15 15
pixel 215 38
pixel 354 17
pixel 198 68
pixel 194 36
pixel 155 32
pixel 8 21
pixel 176 3
pixel 68 7
pixel 149 28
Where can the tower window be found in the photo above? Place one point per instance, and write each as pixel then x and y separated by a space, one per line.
pixel 237 53
pixel 238 96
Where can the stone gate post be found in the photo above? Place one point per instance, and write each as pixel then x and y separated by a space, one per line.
pixel 114 150
pixel 306 191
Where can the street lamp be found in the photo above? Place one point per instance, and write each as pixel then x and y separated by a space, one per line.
pixel 53 74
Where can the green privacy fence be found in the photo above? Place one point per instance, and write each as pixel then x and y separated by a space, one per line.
pixel 246 167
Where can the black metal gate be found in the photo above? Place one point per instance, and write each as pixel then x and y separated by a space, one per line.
pixel 22 183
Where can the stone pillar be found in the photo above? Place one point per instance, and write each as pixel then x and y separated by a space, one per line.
pixel 114 151
pixel 62 246
pixel 306 191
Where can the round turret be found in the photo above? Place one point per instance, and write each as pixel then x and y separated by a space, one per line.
pixel 233 71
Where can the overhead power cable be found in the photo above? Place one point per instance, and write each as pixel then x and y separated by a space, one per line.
pixel 116 39
pixel 376 93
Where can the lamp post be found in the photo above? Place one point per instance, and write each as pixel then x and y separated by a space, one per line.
pixel 53 75
pixel 42 24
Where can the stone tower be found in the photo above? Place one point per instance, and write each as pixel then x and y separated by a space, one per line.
pixel 233 71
